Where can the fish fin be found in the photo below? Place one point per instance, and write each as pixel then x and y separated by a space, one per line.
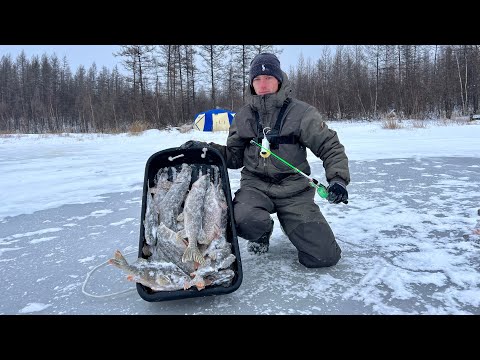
pixel 200 284
pixel 114 262
pixel 193 254
pixel 198 257
pixel 118 260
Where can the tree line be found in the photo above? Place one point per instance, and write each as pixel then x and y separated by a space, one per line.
pixel 166 85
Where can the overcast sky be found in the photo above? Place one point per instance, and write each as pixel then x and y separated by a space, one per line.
pixel 102 55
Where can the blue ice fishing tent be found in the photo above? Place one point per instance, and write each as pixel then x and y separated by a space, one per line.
pixel 213 120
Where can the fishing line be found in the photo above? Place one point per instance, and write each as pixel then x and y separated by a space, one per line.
pixel 105 295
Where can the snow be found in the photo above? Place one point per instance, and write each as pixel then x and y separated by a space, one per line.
pixel 409 234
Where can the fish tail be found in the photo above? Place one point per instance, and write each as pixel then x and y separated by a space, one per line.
pixel 192 253
pixel 118 260
pixel 199 282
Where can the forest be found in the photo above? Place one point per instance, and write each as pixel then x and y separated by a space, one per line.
pixel 161 86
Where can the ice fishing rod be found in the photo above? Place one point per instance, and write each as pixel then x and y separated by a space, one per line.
pixel 321 189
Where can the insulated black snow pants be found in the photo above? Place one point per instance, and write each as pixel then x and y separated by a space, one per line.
pixel 299 217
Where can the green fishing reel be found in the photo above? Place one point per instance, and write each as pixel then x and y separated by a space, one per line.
pixel 321 189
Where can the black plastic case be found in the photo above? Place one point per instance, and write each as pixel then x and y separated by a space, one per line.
pixel 175 157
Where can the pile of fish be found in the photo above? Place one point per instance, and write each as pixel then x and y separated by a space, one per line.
pixel 185 233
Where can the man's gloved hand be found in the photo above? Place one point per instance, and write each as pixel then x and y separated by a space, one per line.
pixel 193 144
pixel 337 193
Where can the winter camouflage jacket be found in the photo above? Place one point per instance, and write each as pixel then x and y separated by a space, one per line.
pixel 301 120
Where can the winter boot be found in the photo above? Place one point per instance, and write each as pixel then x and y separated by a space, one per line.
pixel 261 245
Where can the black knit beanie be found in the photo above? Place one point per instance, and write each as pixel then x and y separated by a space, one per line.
pixel 265 64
